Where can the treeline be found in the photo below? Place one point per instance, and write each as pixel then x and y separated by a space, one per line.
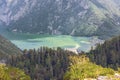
pixel 43 64
pixel 107 54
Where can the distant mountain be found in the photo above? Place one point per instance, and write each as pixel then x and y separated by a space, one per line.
pixel 72 17
pixel 7 48
pixel 13 9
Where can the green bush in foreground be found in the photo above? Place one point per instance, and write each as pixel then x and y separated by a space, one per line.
pixel 10 73
pixel 82 68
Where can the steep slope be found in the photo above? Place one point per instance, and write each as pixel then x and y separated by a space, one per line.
pixel 7 48
pixel 73 17
pixel 107 54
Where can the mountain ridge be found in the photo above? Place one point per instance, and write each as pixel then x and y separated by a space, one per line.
pixel 78 17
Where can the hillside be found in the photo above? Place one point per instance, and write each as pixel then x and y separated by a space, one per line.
pixel 72 17
pixel 7 48
pixel 107 54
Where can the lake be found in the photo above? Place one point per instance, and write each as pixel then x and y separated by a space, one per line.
pixel 31 41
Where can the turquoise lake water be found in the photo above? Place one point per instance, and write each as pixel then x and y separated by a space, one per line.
pixel 31 41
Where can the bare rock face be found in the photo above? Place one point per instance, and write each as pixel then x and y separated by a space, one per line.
pixel 116 76
pixel 14 9
pixel 73 17
pixel 102 78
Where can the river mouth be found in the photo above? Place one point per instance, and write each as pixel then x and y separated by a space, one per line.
pixel 35 41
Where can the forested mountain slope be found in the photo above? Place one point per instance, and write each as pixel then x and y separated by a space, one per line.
pixel 107 54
